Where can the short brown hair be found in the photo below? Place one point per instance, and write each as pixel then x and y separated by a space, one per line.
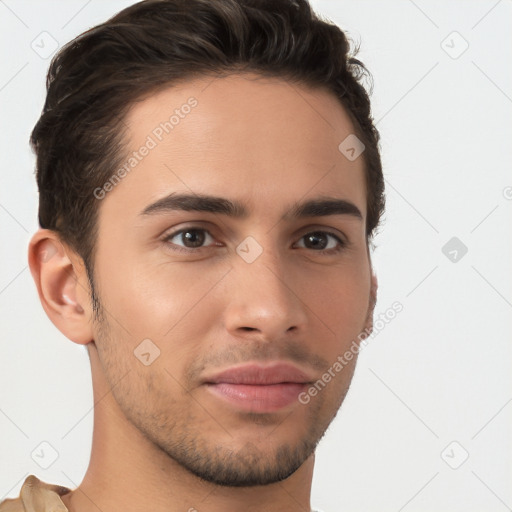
pixel 96 77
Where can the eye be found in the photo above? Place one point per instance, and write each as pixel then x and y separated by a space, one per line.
pixel 193 239
pixel 322 241
pixel 190 238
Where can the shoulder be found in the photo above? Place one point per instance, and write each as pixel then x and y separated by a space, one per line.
pixel 36 495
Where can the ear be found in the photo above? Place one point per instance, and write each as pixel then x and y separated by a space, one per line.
pixel 62 285
pixel 372 302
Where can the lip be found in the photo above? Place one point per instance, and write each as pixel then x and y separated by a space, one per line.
pixel 256 388
pixel 254 374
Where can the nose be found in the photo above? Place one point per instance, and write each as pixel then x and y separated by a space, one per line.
pixel 264 299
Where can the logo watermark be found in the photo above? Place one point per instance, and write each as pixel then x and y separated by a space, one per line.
pixel 152 140
pixel 343 360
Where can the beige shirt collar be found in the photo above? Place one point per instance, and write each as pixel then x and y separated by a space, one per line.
pixel 36 496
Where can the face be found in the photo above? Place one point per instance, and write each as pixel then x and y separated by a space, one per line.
pixel 221 309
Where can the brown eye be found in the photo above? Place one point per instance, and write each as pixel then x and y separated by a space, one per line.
pixel 322 241
pixel 189 238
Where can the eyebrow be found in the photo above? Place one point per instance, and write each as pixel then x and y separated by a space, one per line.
pixel 317 207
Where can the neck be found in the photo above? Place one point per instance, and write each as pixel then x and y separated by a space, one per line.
pixel 128 472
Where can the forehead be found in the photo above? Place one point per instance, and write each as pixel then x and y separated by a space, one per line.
pixel 265 141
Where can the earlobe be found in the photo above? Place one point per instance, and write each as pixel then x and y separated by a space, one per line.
pixel 61 285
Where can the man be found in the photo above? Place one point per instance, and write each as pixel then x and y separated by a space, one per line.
pixel 210 182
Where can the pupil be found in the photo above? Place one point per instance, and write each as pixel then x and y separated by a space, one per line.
pixel 317 239
pixel 193 237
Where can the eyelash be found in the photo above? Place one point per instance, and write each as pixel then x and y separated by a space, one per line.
pixel 327 252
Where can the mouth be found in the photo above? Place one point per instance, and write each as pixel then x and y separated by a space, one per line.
pixel 261 389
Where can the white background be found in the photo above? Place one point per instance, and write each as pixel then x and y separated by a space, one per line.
pixel 439 372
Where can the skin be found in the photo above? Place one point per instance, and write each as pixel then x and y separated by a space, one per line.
pixel 160 436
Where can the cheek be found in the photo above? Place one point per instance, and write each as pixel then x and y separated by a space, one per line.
pixel 153 300
pixel 339 301
pixel 165 310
